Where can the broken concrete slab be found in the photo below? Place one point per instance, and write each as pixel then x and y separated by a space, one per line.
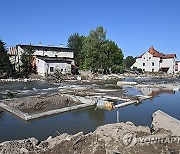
pixel 85 102
pixel 165 121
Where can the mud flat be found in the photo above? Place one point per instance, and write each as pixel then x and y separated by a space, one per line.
pixel 110 138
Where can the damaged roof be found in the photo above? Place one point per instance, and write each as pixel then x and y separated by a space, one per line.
pixel 55 59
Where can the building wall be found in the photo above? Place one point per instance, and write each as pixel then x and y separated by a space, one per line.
pixel 49 53
pixel 168 63
pixel 20 52
pixel 178 67
pixel 147 63
pixel 54 54
pixel 63 67
pixel 41 67
pixel 45 68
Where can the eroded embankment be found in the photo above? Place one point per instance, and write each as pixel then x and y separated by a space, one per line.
pixel 110 138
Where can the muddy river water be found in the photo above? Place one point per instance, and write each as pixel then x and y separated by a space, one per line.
pixel 85 120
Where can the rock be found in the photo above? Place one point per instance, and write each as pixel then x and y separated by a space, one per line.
pixel 49 138
pixel 44 144
pixel 122 83
pixel 110 138
pixel 18 146
pixel 129 123
pixel 23 150
pixel 78 78
pixel 165 121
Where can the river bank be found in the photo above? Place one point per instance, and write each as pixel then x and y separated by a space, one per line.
pixel 110 138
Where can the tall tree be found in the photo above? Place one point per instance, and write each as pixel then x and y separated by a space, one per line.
pixel 93 49
pixel 27 60
pixel 75 41
pixel 100 53
pixel 129 61
pixel 95 52
pixel 5 65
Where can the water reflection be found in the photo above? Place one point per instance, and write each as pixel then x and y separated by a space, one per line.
pixel 1 114
pixel 155 91
pixel 86 120
pixel 97 115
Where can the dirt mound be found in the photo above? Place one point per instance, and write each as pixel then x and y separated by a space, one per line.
pixel 109 139
pixel 42 103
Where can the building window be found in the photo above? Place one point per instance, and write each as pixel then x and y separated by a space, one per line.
pixel 143 64
pixel 153 64
pixel 51 69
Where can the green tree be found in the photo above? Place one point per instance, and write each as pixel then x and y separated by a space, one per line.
pixel 93 49
pixel 100 53
pixel 5 65
pixel 75 41
pixel 129 61
pixel 115 57
pixel 27 59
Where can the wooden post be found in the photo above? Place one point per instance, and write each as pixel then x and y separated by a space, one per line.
pixel 117 116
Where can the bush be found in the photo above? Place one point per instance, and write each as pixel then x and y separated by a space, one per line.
pixel 117 69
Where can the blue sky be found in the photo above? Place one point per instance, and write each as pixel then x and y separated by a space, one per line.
pixel 134 25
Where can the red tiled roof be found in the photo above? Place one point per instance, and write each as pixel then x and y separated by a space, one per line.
pixel 156 53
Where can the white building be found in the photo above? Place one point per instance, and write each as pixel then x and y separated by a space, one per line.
pixel 48 65
pixel 47 59
pixel 155 61
pixel 177 67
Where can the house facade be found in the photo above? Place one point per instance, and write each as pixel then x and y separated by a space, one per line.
pixel 47 59
pixel 155 61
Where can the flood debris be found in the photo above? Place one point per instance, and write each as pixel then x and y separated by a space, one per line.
pixel 42 103
pixel 101 104
pixel 104 104
pixel 122 83
pixel 110 138
pixel 33 107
